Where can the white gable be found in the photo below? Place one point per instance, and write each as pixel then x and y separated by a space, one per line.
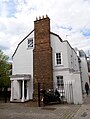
pixel 23 58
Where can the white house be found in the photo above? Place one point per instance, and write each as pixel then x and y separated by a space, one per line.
pixel 43 56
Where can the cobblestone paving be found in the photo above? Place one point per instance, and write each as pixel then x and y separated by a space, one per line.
pixel 27 111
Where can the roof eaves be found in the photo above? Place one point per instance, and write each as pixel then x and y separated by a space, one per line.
pixel 21 42
pixel 57 36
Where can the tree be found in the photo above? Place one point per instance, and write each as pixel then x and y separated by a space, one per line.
pixel 4 70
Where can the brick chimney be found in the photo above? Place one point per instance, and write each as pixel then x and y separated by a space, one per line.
pixel 42 54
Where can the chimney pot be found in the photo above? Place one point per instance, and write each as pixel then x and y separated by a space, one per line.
pixel 43 17
pixel 46 16
pixel 39 17
pixel 36 18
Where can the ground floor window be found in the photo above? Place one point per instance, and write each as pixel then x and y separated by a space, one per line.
pixel 60 82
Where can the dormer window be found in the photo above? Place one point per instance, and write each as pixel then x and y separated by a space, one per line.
pixel 30 42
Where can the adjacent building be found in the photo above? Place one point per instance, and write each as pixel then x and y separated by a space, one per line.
pixel 83 68
pixel 88 61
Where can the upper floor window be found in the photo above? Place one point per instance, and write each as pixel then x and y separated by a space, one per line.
pixel 30 42
pixel 58 58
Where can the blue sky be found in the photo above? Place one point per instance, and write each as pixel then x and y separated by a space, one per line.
pixel 11 8
pixel 70 19
pixel 7 8
pixel 86 32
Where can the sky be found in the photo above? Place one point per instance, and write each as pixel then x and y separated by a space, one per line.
pixel 70 19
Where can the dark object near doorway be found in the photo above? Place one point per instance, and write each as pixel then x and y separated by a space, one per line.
pixel 50 96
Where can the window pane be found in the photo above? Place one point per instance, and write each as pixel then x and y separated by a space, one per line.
pixel 30 42
pixel 56 55
pixel 60 82
pixel 59 55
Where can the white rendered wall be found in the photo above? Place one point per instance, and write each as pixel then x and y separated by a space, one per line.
pixel 77 91
pixel 72 59
pixel 23 62
pixel 23 59
pixel 58 46
pixel 69 57
pixel 75 61
pixel 84 70
pixel 74 79
pixel 65 70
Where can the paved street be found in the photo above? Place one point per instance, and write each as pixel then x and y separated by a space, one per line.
pixel 56 111
pixel 84 111
pixel 25 111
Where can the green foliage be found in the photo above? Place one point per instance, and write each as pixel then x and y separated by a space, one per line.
pixel 4 70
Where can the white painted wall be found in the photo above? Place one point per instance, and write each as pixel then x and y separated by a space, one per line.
pixel 74 79
pixel 23 62
pixel 69 69
pixel 77 90
pixel 84 70
pixel 58 46
pixel 72 58
pixel 76 64
pixel 69 57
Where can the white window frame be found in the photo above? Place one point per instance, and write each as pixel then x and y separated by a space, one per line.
pixel 56 59
pixel 30 43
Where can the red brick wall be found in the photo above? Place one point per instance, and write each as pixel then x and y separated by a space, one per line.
pixel 42 54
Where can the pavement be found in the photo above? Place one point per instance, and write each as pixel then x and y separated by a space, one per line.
pixel 30 110
pixel 84 111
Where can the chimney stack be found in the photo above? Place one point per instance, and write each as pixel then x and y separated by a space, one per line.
pixel 42 53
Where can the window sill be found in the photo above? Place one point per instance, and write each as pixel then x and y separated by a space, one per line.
pixel 29 48
pixel 60 65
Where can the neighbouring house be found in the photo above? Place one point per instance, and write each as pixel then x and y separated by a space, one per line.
pixel 42 56
pixel 88 61
pixel 84 68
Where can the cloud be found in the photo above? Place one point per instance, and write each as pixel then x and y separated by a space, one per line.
pixel 3 47
pixel 70 19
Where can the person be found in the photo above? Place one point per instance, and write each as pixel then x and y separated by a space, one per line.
pixel 87 88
